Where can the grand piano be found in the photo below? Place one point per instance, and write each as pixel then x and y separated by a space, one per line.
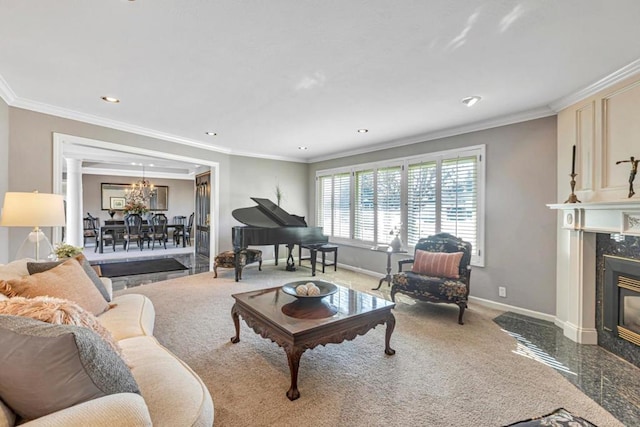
pixel 268 224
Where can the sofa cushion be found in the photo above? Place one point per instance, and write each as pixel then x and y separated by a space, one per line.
pixel 133 315
pixel 53 367
pixel 437 264
pixel 58 312
pixel 114 410
pixel 165 380
pixel 40 267
pixel 67 281
pixel 15 269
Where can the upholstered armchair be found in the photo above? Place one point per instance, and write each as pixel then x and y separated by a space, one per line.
pixel 440 272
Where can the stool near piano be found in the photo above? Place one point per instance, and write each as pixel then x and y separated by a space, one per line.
pixel 323 249
pixel 227 259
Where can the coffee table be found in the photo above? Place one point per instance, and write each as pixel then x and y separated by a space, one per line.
pixel 310 323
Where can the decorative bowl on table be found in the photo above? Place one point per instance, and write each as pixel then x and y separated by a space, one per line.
pixel 325 289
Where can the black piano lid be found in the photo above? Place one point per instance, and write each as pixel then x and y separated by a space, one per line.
pixel 266 214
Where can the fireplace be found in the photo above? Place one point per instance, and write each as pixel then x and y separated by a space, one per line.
pixel 618 295
pixel 621 302
pixel 590 230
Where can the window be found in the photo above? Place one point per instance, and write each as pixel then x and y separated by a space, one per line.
pixel 422 195
pixel 334 202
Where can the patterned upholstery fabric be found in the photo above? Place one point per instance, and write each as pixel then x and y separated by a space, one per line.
pixel 437 289
pixel 226 259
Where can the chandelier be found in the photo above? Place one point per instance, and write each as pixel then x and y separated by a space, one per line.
pixel 140 191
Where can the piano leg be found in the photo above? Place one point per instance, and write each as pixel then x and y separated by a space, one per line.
pixel 313 255
pixel 291 265
pixel 236 259
pixel 276 248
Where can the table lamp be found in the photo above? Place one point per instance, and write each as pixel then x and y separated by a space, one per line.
pixel 33 210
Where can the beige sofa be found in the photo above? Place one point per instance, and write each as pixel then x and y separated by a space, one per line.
pixel 171 394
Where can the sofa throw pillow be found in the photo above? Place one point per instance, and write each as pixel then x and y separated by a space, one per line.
pixel 67 281
pixel 40 267
pixel 437 264
pixel 58 312
pixel 15 269
pixel 53 367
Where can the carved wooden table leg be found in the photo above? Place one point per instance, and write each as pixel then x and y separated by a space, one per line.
pixel 236 323
pixel 391 325
pixel 293 356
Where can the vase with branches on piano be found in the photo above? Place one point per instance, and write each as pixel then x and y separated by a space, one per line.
pixel 278 194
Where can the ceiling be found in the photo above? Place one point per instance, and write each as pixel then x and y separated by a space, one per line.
pixel 270 76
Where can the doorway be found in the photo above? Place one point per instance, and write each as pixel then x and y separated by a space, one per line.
pixel 61 142
pixel 203 214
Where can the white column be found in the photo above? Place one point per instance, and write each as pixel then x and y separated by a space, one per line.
pixel 581 290
pixel 74 228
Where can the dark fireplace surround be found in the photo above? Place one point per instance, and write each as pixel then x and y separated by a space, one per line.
pixel 617 253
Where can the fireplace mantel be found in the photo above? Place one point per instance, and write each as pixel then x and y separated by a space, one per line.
pixel 601 217
pixel 576 260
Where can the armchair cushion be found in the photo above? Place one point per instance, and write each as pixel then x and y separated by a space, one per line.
pixel 429 288
pixel 39 357
pixel 439 264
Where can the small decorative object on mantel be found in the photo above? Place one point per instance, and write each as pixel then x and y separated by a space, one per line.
pixel 632 174
pixel 112 212
pixel 572 197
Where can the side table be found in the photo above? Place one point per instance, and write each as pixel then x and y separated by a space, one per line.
pixel 389 251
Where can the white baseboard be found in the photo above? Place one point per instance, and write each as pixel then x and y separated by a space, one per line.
pixel 484 302
pixel 513 309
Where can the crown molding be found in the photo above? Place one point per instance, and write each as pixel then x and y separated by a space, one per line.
pixel 40 107
pixel 126 173
pixel 6 92
pixel 126 127
pixel 523 116
pixel 613 78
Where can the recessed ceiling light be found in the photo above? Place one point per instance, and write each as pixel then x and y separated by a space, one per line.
pixel 211 133
pixel 110 99
pixel 470 101
pixel 151 165
pixel 363 130
pixel 303 148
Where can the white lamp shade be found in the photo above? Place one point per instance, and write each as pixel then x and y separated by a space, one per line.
pixel 32 210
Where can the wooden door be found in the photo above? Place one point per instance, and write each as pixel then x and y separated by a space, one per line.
pixel 203 214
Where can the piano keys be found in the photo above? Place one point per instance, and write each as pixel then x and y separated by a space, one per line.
pixel 268 224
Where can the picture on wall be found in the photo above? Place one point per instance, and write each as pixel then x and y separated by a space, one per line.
pixel 117 203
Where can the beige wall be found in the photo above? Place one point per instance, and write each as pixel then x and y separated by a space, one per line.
pixel 520 240
pixel 181 195
pixel 4 175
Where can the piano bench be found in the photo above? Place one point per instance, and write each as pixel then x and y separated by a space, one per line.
pixel 227 259
pixel 324 249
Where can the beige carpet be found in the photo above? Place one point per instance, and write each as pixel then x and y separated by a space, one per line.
pixel 442 374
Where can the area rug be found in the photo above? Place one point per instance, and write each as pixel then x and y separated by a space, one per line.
pixel 132 268
pixel 443 374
